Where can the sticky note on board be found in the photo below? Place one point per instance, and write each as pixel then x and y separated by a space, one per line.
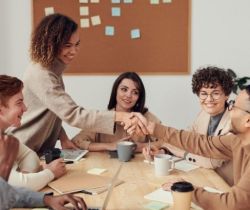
pixel 154 1
pixel 95 1
pixel 155 205
pixel 95 20
pixel 96 171
pixel 109 30
pixel 84 11
pixel 135 34
pixel 84 23
pixel 49 10
pixel 83 1
pixel 115 1
pixel 127 1
pixel 166 1
pixel 116 11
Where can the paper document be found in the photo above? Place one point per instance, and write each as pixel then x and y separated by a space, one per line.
pixel 164 197
pixel 185 166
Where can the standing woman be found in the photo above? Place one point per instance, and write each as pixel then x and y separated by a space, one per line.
pixel 128 95
pixel 55 42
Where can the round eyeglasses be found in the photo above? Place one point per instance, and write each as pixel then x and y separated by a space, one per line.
pixel 231 106
pixel 214 95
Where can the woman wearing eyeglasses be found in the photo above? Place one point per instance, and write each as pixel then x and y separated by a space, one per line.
pixel 213 86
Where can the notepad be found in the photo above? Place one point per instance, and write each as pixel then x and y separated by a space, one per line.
pixel 164 197
pixel 75 181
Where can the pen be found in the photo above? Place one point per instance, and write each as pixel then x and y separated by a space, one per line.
pixel 86 192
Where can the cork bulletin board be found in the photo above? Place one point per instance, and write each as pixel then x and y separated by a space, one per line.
pixel 146 36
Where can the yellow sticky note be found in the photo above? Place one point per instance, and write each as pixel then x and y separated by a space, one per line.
pixel 83 1
pixel 84 10
pixel 95 1
pixel 49 10
pixel 95 20
pixel 84 23
pixel 96 171
pixel 166 1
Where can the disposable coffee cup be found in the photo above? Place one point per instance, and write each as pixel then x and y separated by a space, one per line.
pixel 125 150
pixel 182 195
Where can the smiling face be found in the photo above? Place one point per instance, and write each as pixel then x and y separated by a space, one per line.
pixel 216 105
pixel 11 113
pixel 127 95
pixel 70 49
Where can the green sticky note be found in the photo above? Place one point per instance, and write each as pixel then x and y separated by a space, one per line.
pixel 156 205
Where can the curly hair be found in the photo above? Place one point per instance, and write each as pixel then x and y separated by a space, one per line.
pixel 9 86
pixel 212 77
pixel 140 104
pixel 49 37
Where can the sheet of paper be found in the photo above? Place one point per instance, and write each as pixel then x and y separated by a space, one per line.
pixel 164 197
pixel 96 20
pixel 155 205
pixel 185 166
pixel 116 11
pixel 212 190
pixel 84 10
pixel 135 34
pixel 96 171
pixel 49 10
pixel 84 22
pixel 109 31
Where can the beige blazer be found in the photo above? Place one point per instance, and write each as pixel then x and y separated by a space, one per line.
pixel 223 168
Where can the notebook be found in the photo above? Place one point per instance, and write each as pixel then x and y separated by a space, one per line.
pixel 81 181
pixel 111 186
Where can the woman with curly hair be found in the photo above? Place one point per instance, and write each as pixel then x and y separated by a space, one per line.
pixel 213 86
pixel 55 43
pixel 127 95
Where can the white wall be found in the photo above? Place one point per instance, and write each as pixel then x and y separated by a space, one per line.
pixel 220 36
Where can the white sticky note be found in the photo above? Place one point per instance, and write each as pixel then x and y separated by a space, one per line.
pixel 95 1
pixel 95 20
pixel 49 10
pixel 154 1
pixel 135 33
pixel 166 1
pixel 84 10
pixel 83 1
pixel 115 1
pixel 96 171
pixel 127 1
pixel 116 11
pixel 109 31
pixel 84 23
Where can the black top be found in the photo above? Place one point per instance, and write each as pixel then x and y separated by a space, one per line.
pixel 182 187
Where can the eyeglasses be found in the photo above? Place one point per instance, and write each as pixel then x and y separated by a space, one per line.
pixel 231 106
pixel 214 95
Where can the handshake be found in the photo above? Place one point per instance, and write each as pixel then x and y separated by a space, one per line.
pixel 135 123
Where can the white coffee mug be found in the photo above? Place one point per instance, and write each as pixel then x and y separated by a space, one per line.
pixel 163 164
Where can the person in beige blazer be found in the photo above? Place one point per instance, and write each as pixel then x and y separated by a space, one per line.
pixel 128 95
pixel 213 86
pixel 55 43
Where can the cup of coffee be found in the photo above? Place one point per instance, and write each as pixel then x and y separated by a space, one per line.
pixel 125 150
pixel 182 195
pixel 163 164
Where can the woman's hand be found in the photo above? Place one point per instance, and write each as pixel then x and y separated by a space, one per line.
pixel 149 153
pixel 67 144
pixel 167 186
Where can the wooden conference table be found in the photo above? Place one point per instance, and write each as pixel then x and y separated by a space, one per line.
pixel 139 180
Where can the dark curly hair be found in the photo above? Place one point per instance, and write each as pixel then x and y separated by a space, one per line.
pixel 140 104
pixel 212 77
pixel 49 37
pixel 9 86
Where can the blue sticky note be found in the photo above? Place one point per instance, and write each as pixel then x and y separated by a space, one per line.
pixel 127 1
pixel 135 33
pixel 115 1
pixel 109 31
pixel 116 11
